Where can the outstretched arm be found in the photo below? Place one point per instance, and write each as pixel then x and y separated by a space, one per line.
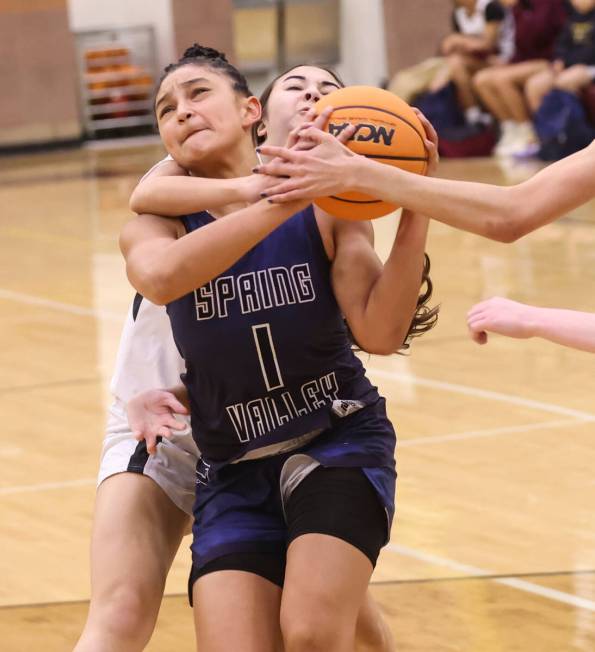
pixel 167 189
pixel 505 317
pixel 499 213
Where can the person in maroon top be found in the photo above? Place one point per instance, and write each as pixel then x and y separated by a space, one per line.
pixel 537 26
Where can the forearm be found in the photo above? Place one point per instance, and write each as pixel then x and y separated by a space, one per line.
pixel 479 208
pixel 567 327
pixel 474 44
pixel 169 269
pixel 499 213
pixel 393 298
pixel 181 195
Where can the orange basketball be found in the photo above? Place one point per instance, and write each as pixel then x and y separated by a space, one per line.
pixel 388 131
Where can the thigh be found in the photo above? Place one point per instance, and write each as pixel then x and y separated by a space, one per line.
pixel 237 510
pixel 573 79
pixel 172 467
pixel 519 73
pixel 543 78
pixel 236 610
pixel 339 502
pixel 470 64
pixel 336 527
pixel 136 533
pixel 325 586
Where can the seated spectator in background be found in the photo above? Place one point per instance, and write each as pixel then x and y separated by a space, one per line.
pixel 573 68
pixel 483 36
pixel 538 24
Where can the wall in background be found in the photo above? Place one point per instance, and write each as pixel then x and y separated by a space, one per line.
pixel 38 71
pixel 208 22
pixel 414 29
pixel 85 15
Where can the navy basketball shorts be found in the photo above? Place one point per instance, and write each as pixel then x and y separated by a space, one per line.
pixel 341 484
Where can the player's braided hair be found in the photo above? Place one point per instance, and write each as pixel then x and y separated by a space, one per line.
pixel 211 58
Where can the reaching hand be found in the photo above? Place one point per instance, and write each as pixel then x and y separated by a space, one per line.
pixel 151 415
pixel 314 170
pixel 256 186
pixel 502 316
pixel 297 140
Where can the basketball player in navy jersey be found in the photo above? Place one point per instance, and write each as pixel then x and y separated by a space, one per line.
pixel 277 396
pixel 124 608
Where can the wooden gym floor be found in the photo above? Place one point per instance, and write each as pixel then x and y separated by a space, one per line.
pixel 493 548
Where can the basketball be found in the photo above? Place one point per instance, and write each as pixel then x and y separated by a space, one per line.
pixel 388 131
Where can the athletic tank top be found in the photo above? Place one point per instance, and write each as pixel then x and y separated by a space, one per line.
pixel 268 356
pixel 147 355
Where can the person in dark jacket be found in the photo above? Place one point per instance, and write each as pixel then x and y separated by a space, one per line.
pixel 573 67
pixel 538 24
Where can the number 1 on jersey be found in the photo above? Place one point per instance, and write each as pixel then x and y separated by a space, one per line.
pixel 267 356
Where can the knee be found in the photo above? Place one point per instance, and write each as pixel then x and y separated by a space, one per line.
pixel 456 64
pixel 374 637
pixel 304 633
pixel 301 637
pixel 483 79
pixel 535 85
pixel 123 618
pixel 372 633
pixel 540 80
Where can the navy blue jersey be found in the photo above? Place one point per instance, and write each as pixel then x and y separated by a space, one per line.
pixel 268 356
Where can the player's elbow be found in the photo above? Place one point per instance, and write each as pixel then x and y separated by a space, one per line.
pixel 382 344
pixel 513 228
pixel 503 230
pixel 382 349
pixel 152 282
pixel 506 224
pixel 137 203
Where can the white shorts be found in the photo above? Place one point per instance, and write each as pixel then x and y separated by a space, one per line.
pixel 173 467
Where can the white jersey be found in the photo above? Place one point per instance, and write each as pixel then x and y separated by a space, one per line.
pixel 485 11
pixel 147 356
pixel 148 359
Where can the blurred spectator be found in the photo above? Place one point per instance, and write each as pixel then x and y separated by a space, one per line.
pixel 537 25
pixel 483 36
pixel 573 68
pixel 415 80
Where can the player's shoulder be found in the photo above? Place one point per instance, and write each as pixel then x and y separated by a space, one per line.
pixel 147 227
pixel 336 232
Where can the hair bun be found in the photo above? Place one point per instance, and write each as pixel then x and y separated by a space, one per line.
pixel 197 51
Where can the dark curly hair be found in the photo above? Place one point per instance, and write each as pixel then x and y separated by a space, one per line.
pixel 425 318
